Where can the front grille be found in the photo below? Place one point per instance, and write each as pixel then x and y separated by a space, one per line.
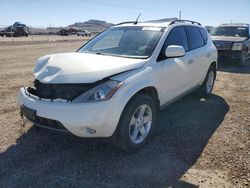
pixel 59 91
pixel 41 121
pixel 223 45
pixel 49 123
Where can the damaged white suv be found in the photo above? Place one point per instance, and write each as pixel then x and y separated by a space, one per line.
pixel 114 84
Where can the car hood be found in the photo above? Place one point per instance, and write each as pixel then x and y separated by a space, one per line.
pixel 229 39
pixel 78 67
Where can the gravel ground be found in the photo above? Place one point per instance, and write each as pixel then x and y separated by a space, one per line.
pixel 198 143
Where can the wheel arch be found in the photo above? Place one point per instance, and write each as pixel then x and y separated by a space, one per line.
pixel 149 90
pixel 145 89
pixel 213 64
pixel 152 92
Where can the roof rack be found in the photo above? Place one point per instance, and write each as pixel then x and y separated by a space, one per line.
pixel 149 21
pixel 189 21
pixel 171 20
pixel 162 20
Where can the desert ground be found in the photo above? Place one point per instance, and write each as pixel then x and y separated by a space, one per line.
pixel 198 142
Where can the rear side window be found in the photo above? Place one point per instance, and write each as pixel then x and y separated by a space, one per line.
pixel 195 37
pixel 204 34
pixel 178 37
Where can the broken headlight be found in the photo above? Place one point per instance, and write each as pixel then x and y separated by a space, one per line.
pixel 101 92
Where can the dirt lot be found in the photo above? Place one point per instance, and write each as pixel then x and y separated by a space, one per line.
pixel 198 143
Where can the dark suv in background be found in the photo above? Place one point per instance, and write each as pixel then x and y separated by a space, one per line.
pixel 232 42
pixel 16 30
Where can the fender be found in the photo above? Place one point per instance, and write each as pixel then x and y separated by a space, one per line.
pixel 140 79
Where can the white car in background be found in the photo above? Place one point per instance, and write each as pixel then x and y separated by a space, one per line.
pixel 83 33
pixel 114 84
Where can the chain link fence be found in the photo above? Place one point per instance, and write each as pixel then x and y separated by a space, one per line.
pixel 39 35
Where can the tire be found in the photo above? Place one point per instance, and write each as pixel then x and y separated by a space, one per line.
pixel 134 121
pixel 207 86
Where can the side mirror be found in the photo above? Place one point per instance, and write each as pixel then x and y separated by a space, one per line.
pixel 174 51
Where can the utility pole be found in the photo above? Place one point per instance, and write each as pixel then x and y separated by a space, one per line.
pixel 180 15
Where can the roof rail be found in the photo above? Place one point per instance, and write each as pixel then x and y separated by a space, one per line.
pixel 189 21
pixel 126 22
pixel 162 20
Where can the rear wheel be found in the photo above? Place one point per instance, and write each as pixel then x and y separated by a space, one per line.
pixel 207 87
pixel 136 123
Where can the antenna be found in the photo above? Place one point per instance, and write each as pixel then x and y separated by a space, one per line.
pixel 136 21
pixel 180 15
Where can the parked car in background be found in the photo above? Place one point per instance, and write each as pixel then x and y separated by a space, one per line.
pixel 63 32
pixel 16 30
pixel 72 31
pixel 232 42
pixel 114 85
pixel 83 33
pixel 19 24
pixel 67 31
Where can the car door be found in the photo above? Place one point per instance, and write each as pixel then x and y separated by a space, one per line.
pixel 199 55
pixel 175 73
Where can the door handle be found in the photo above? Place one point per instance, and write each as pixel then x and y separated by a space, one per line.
pixel 190 61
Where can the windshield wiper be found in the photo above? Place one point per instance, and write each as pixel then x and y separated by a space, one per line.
pixel 95 52
pixel 100 53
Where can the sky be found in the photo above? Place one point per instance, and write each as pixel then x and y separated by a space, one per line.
pixel 44 13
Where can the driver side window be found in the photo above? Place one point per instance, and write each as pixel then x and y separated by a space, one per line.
pixel 177 36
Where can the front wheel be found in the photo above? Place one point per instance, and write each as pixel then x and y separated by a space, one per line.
pixel 136 123
pixel 207 86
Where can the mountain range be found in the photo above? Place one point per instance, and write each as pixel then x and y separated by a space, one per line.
pixel 91 25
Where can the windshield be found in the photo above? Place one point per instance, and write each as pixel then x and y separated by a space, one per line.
pixel 135 42
pixel 230 31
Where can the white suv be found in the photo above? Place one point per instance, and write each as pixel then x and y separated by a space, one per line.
pixel 114 84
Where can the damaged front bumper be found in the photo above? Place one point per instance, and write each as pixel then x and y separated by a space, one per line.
pixel 42 122
pixel 78 118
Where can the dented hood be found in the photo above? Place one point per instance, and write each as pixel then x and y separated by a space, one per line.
pixel 81 67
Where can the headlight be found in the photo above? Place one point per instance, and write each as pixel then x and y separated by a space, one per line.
pixel 237 46
pixel 99 93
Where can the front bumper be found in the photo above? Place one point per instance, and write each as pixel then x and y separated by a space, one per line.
pixel 229 55
pixel 77 118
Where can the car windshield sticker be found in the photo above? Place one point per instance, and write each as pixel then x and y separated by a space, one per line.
pixel 241 28
pixel 152 28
